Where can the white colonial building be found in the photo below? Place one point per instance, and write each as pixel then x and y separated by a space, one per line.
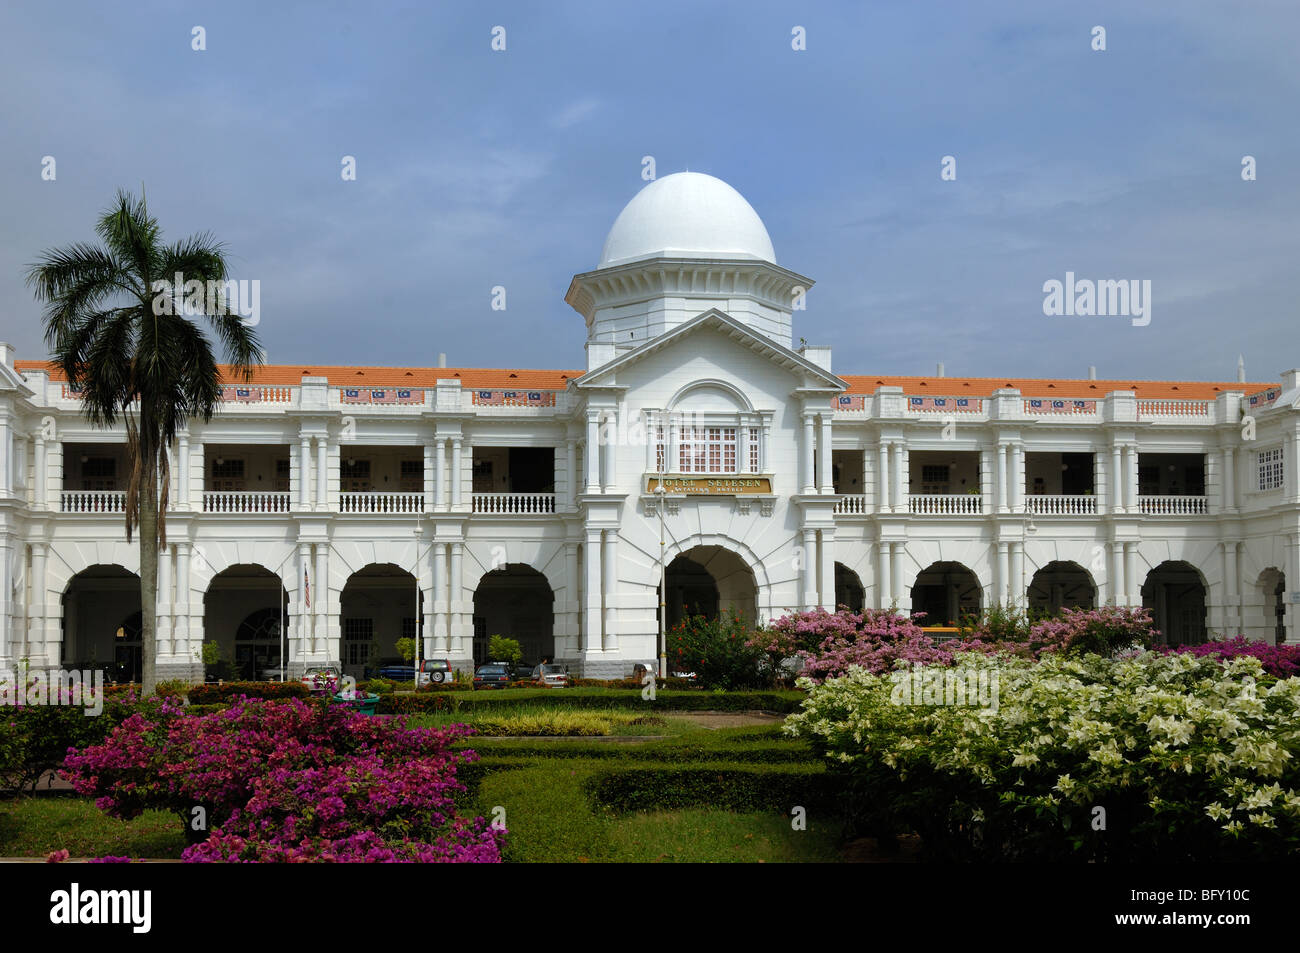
pixel 523 501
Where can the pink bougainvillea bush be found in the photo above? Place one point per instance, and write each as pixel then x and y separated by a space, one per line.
pixel 1282 661
pixel 290 781
pixel 829 643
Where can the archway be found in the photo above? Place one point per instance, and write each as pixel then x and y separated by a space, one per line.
pixel 1175 593
pixel 242 610
pixel 848 589
pixel 515 601
pixel 709 580
pixel 1272 595
pixel 378 605
pixel 1061 585
pixel 102 621
pixel 945 592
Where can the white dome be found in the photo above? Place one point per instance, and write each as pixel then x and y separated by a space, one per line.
pixel 687 215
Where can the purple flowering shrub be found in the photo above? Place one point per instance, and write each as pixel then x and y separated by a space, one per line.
pixel 290 781
pixel 1282 661
pixel 878 639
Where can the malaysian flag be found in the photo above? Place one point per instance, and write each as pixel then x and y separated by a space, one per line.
pixel 243 394
pixel 306 588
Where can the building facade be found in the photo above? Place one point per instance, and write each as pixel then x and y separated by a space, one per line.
pixel 357 505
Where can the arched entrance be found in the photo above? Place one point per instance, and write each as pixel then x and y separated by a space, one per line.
pixel 848 589
pixel 708 580
pixel 102 621
pixel 242 610
pixel 1061 585
pixel 378 605
pixel 515 601
pixel 1272 594
pixel 1175 594
pixel 945 592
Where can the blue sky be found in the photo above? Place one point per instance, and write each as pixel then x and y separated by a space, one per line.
pixel 477 168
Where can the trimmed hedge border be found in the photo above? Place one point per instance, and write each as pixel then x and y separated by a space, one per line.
pixel 732 787
pixel 207 694
pixel 563 698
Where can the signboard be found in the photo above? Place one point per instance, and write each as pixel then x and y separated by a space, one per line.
pixel 719 485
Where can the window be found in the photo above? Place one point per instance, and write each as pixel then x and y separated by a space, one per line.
pixel 99 473
pixel 228 474
pixel 1271 476
pixel 934 478
pixel 282 475
pixel 755 449
pixel 707 450
pixel 408 628
pixel 355 476
pixel 411 479
pixel 357 634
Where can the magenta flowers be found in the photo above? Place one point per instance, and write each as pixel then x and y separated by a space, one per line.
pixel 290 781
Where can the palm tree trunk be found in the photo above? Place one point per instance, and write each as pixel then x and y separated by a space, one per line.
pixel 148 573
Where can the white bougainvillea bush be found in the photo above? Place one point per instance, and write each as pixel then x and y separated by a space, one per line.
pixel 1150 756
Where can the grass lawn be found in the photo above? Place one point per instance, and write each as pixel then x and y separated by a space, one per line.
pixel 568 797
pixel 32 827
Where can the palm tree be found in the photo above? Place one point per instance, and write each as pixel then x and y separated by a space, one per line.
pixel 121 331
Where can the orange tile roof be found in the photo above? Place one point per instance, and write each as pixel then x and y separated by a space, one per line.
pixel 284 375
pixel 1036 387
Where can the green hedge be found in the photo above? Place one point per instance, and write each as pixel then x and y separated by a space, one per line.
pixel 207 694
pixel 732 787
pixel 781 703
pixel 493 750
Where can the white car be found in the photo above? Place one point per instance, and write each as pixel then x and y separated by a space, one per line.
pixel 321 679
pixel 551 676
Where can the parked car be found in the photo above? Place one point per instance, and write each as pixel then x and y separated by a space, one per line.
pixel 551 676
pixel 321 679
pixel 398 673
pixel 274 674
pixel 435 671
pixel 494 675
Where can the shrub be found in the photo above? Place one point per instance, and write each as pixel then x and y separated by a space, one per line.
pixel 209 693
pixel 292 781
pixel 36 738
pixel 731 787
pixel 1280 661
pixel 501 649
pixel 1192 759
pixel 717 650
pixel 829 643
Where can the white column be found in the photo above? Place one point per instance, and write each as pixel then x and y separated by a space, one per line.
pixel 1231 619
pixel 1131 476
pixel 884 563
pixel 181 628
pixel 1115 492
pixel 674 460
pixel 1002 585
pixel 897 551
pixel 883 503
pixel 1017 580
pixel 1098 480
pixel 824 456
pixel 611 590
pixel 764 449
pixel 1017 478
pixel 455 592
pixel 651 435
pixel 1117 593
pixel 592 593
pixel 742 447
pixel 163 603
pixel 899 486
pixel 1131 589
pixel 7 627
pixel 866 476
pixel 827 566
pixel 455 472
pixel 320 602
pixel 806 456
pixel 1229 478
pixel 322 472
pixel 41 491
pixel 304 471
pixel 571 472
pixel 809 568
pixel 1001 489
pixel 6 465
pixel 609 472
pixel 183 463
pixel 572 606
pixel 440 474
pixel 36 608
pixel 430 487
pixel 1292 573
pixel 592 451
pixel 437 638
